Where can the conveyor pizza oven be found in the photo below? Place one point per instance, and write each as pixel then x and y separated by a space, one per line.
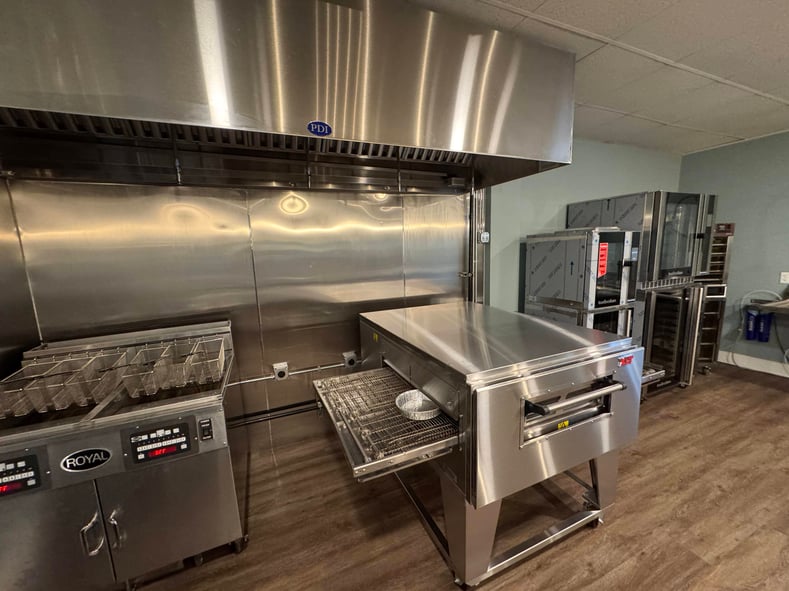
pixel 522 399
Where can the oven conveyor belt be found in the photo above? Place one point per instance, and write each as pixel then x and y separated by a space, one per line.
pixel 366 403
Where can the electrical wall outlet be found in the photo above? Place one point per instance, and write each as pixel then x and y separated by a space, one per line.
pixel 281 371
pixel 784 277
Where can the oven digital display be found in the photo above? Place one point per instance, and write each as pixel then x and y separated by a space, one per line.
pixel 160 442
pixel 163 451
pixel 19 474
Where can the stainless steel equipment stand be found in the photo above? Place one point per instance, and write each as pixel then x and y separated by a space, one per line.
pixel 467 543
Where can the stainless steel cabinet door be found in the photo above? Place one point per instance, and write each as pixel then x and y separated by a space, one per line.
pixel 163 513
pixel 54 539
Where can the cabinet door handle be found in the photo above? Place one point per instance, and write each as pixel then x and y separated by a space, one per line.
pixel 116 528
pixel 83 535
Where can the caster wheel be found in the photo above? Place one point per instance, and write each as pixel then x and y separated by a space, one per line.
pixel 683 386
pixel 197 560
pixel 595 524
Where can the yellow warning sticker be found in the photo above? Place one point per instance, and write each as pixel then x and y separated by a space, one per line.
pixel 375 337
pixel 563 424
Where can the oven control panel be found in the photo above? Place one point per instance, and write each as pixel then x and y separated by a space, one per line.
pixel 153 443
pixel 19 474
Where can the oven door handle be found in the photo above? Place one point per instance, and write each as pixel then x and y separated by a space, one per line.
pixel 546 409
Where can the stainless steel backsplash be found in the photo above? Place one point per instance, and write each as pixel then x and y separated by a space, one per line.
pixel 291 269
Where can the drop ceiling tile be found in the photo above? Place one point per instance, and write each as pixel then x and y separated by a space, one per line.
pixel 525 4
pixel 722 59
pixel 748 117
pixel 597 134
pixel 600 74
pixel 473 10
pixel 680 141
pixel 729 116
pixel 760 61
pixel 605 17
pixel 555 37
pixel 776 121
pixel 626 130
pixel 693 103
pixel 782 91
pixel 765 74
pixel 655 89
pixel 764 19
pixel 689 26
pixel 589 120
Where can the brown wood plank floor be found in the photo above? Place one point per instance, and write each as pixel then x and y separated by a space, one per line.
pixel 703 503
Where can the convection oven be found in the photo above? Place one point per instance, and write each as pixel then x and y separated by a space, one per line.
pixel 676 231
pixel 584 276
pixel 674 253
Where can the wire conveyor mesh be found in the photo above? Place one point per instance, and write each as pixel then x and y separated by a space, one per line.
pixel 366 402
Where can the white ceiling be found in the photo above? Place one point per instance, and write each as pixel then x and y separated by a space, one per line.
pixel 673 75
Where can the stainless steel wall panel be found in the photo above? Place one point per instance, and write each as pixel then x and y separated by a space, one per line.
pixel 435 247
pixel 380 72
pixel 104 257
pixel 17 321
pixel 313 345
pixel 320 259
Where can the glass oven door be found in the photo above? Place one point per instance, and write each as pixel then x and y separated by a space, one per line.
pixel 614 257
pixel 679 234
pixel 703 257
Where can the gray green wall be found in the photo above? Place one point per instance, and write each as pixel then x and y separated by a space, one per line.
pixel 752 183
pixel 537 203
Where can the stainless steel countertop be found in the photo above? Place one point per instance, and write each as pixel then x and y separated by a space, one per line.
pixel 484 343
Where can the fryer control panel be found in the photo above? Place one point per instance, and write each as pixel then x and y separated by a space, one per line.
pixel 19 474
pixel 151 444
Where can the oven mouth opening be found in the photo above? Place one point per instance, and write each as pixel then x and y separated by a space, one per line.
pixel 540 419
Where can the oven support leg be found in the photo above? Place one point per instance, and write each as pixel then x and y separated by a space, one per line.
pixel 470 531
pixel 604 471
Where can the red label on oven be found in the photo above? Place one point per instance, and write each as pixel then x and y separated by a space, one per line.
pixel 602 259
pixel 625 360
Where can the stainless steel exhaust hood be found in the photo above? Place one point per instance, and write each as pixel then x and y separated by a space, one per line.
pixel 360 78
